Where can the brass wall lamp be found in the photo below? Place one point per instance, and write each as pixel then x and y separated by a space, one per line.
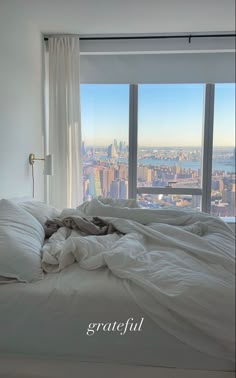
pixel 48 165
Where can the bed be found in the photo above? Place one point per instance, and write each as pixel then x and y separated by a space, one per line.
pixel 44 324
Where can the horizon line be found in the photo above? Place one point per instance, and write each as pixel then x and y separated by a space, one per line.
pixel 167 146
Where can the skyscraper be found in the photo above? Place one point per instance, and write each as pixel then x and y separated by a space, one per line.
pixel 123 192
pixel 95 189
pixel 115 189
pixel 115 145
pixel 83 149
pixel 107 178
pixel 111 151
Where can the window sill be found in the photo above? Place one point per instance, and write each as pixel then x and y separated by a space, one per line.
pixel 229 220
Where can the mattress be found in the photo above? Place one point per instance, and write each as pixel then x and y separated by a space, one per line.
pixel 50 318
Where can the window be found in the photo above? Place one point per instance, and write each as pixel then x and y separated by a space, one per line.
pixel 166 143
pixel 155 201
pixel 155 142
pixel 223 161
pixel 105 130
pixel 170 143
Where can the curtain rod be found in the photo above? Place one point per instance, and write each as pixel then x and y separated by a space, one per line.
pixel 188 36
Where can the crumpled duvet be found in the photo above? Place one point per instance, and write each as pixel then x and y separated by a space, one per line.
pixel 86 225
pixel 179 267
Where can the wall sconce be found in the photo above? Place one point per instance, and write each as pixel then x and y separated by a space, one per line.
pixel 48 165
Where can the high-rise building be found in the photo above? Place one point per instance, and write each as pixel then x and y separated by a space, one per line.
pixel 116 146
pixel 115 189
pixel 111 151
pixel 107 178
pixel 145 174
pixel 122 147
pixel 116 173
pixel 122 171
pixel 123 192
pixel 148 175
pixel 86 189
pixel 83 149
pixel 119 189
pixel 95 189
pixel 229 197
pixel 178 169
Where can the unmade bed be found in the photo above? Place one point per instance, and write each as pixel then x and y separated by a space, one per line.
pixel 46 321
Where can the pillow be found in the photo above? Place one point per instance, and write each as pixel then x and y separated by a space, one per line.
pixel 21 238
pixel 40 210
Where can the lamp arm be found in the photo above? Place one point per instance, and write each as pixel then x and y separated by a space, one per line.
pixel 32 159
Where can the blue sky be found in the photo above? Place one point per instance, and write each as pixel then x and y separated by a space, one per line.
pixel 169 115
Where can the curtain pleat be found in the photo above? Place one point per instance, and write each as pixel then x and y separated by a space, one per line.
pixel 65 186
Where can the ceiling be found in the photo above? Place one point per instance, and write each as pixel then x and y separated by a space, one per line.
pixel 125 16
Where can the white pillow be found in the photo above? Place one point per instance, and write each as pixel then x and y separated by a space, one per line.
pixel 21 238
pixel 40 210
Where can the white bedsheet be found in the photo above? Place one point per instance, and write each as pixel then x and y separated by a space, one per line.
pixel 47 321
pixel 182 275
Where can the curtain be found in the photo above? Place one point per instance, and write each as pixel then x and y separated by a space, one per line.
pixel 65 186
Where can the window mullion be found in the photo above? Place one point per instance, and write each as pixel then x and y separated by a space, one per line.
pixel 169 190
pixel 208 122
pixel 133 139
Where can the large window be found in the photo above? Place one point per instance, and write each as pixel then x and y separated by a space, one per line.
pixel 156 142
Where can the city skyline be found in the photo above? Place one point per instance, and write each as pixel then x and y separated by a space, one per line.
pixel 106 174
pixel 163 109
pixel 156 146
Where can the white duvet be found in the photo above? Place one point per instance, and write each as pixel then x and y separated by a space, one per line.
pixel 179 267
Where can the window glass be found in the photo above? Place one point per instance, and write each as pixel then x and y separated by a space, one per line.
pixel 223 183
pixel 158 201
pixel 170 121
pixel 105 130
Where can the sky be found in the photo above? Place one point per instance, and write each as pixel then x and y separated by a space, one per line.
pixel 168 115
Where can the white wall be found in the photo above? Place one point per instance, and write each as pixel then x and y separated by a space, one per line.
pixel 20 103
pixel 21 25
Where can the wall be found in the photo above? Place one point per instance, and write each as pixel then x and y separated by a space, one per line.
pixel 21 25
pixel 20 103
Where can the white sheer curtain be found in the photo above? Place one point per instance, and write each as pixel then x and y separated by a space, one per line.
pixel 65 186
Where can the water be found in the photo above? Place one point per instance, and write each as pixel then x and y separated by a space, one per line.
pixel 188 164
pixel 194 165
